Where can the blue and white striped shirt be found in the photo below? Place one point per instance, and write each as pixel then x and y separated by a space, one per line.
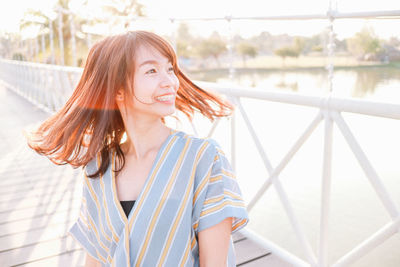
pixel 191 186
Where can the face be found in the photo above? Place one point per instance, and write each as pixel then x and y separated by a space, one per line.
pixel 155 84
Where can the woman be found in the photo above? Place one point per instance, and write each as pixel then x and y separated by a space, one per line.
pixel 162 197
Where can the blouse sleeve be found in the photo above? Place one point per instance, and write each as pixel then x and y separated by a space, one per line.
pixel 81 230
pixel 222 196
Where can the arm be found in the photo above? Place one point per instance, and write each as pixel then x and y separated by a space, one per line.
pixel 214 244
pixel 91 262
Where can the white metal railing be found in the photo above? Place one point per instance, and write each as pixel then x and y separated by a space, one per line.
pixel 330 14
pixel 48 87
pixel 330 112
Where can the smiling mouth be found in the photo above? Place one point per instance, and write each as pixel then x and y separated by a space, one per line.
pixel 166 98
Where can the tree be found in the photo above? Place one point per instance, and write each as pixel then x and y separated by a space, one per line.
pixel 183 48
pixel 246 49
pixel 126 10
pixel 364 43
pixel 184 41
pixel 287 51
pixel 183 32
pixel 211 47
pixel 37 17
pixel 299 44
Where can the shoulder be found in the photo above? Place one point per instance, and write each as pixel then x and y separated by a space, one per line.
pixel 93 165
pixel 207 151
pixel 207 145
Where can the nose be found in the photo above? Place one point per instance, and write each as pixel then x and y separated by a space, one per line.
pixel 169 80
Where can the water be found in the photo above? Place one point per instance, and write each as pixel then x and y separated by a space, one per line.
pixel 356 211
pixel 372 83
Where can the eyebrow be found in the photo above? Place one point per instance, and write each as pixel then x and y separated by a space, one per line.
pixel 150 62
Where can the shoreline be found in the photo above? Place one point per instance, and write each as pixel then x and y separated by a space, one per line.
pixel 297 68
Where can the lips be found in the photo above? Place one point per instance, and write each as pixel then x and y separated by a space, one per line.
pixel 166 98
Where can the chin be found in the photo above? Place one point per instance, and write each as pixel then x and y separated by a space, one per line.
pixel 170 111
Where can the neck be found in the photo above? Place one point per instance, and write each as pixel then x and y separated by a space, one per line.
pixel 144 139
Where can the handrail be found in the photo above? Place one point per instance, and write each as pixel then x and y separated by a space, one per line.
pixel 352 105
pixel 330 14
pixel 372 108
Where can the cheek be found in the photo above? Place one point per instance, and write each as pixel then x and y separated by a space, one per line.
pixel 176 83
pixel 143 86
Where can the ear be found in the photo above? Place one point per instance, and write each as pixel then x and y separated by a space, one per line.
pixel 120 95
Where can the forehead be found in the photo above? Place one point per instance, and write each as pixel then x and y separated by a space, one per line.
pixel 149 53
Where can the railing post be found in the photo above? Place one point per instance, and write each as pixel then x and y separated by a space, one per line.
pixel 43 47
pixel 73 40
pixel 230 48
pixel 89 40
pixel 37 49
pixel 323 247
pixel 331 45
pixel 53 58
pixel 173 35
pixel 233 139
pixel 61 37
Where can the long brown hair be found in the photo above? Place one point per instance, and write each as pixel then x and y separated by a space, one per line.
pixel 90 121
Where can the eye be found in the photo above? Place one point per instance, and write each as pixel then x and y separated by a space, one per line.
pixel 171 69
pixel 151 71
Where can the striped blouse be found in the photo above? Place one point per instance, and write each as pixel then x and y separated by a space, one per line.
pixel 191 186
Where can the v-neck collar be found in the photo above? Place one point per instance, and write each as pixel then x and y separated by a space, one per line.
pixel 146 187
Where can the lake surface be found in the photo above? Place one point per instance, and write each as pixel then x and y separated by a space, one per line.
pixel 373 83
pixel 356 212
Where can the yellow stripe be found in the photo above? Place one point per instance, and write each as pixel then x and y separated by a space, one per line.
pixel 220 206
pixel 101 257
pixel 181 209
pixel 219 198
pixel 219 150
pixel 185 255
pixel 93 194
pixel 127 252
pixel 83 219
pixel 213 200
pixel 161 203
pixel 195 226
pixel 204 182
pixel 97 234
pixel 148 186
pixel 116 202
pixel 97 252
pixel 238 225
pixel 193 243
pixel 229 174
pixel 107 214
pixel 124 218
pixel 232 195
pixel 215 178
pixel 82 214
pixel 199 188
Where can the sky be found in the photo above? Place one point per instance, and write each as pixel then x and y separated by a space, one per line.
pixel 12 12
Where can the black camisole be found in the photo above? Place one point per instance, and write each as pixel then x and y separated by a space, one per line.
pixel 127 205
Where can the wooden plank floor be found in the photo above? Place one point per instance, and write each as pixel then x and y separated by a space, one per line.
pixel 39 201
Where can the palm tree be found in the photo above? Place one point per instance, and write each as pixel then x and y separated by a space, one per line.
pixel 125 10
pixel 60 23
pixel 38 18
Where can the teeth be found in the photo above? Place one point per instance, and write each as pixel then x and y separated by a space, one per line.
pixel 165 98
